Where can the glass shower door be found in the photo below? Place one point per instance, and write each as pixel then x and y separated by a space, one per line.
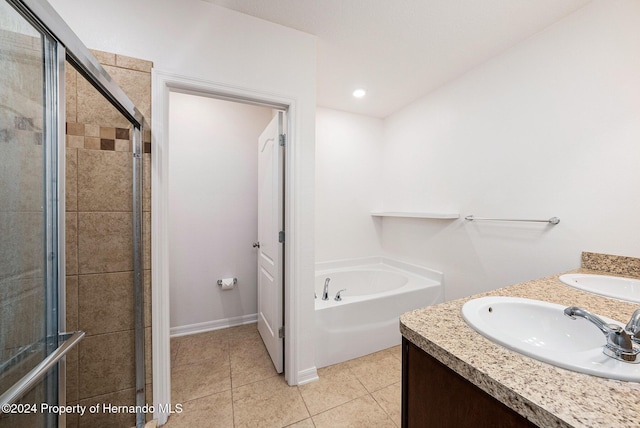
pixel 28 218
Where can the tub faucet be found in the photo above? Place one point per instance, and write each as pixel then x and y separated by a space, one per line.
pixel 338 297
pixel 325 292
pixel 619 344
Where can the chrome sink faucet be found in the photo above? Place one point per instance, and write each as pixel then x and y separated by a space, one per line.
pixel 619 342
pixel 633 327
pixel 325 292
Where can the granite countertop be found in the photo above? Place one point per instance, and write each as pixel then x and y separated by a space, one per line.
pixel 546 395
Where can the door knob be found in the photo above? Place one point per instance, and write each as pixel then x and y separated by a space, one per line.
pixel 256 245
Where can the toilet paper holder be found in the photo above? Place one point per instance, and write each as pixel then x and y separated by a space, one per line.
pixel 235 282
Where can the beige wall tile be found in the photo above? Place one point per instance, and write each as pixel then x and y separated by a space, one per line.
pixel 134 63
pixel 31 419
pixel 148 393
pixel 106 364
pixel 148 353
pixel 75 142
pixel 137 86
pixel 105 302
pixel 71 179
pixel 72 419
pixel 94 109
pixel 71 304
pixel 146 239
pixel 92 130
pixel 123 146
pixel 108 132
pixel 146 182
pixel 105 242
pixel 104 58
pixel 74 128
pixel 104 419
pixel 72 375
pixel 92 143
pixel 71 76
pixel 71 243
pixel 147 297
pixel 25 231
pixel 18 323
pixel 105 181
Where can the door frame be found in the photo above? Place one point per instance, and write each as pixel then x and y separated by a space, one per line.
pixel 162 84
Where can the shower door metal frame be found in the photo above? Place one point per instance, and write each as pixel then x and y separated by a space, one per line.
pixel 69 46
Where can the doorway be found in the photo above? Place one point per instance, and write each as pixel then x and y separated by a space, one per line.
pixel 217 207
pixel 164 84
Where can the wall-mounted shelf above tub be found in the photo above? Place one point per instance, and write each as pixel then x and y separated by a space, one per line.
pixel 434 215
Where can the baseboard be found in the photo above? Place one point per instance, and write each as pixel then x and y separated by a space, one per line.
pixel 307 375
pixel 202 327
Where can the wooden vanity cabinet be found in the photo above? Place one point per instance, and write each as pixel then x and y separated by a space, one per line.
pixel 435 396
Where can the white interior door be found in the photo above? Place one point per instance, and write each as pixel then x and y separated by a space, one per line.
pixel 270 249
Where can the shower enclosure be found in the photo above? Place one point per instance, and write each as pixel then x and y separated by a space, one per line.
pixel 35 47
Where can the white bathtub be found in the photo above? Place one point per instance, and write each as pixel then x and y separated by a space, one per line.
pixel 378 291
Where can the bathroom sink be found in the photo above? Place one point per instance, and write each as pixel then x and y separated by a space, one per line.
pixel 540 330
pixel 610 286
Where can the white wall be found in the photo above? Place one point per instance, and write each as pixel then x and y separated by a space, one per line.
pixel 549 128
pixel 348 180
pixel 198 40
pixel 213 219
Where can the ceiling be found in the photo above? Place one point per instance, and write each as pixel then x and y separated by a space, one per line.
pixel 401 50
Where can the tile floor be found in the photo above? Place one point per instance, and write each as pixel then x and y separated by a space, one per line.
pixel 225 378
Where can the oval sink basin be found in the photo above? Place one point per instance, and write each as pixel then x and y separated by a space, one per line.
pixel 540 330
pixel 610 286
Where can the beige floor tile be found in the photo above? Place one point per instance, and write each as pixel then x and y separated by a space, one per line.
pixel 307 423
pixel 362 412
pixel 241 332
pixel 173 348
pixel 337 385
pixel 213 345
pixel 197 380
pixel 389 399
pixel 268 403
pixel 377 371
pixel 215 411
pixel 396 351
pixel 250 362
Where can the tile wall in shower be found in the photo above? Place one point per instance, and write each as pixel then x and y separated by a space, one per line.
pixel 99 242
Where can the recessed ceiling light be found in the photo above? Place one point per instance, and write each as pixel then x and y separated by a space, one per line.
pixel 359 93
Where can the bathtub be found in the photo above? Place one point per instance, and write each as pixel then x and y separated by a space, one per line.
pixel 378 291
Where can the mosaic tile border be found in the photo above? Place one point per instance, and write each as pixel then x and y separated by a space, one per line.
pixel 620 265
pixel 95 137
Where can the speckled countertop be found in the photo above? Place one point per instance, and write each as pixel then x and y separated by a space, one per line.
pixel 546 395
